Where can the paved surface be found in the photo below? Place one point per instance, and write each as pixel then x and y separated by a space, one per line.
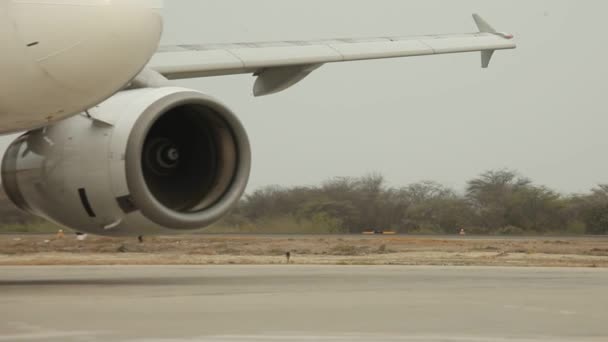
pixel 297 303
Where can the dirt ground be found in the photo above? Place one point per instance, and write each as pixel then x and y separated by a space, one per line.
pixel 319 250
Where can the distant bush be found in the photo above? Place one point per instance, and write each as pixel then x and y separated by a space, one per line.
pixel 575 227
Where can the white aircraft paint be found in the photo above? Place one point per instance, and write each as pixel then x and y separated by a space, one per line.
pixel 61 57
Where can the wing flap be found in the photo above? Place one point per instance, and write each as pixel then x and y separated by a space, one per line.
pixel 190 64
pixel 268 57
pixel 385 49
pixel 477 42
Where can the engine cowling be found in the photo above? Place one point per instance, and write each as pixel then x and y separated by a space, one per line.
pixel 146 161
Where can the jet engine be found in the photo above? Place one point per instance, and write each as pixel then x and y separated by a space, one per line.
pixel 146 161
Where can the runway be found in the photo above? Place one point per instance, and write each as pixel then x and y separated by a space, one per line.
pixel 302 303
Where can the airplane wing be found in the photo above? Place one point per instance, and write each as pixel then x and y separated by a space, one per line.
pixel 279 65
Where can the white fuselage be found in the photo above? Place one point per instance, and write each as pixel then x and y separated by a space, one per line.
pixel 61 57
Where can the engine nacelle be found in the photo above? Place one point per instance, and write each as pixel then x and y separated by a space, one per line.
pixel 146 161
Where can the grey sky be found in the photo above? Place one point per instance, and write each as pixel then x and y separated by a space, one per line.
pixel 539 109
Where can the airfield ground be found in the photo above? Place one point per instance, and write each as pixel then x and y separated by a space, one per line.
pixel 299 303
pixel 305 250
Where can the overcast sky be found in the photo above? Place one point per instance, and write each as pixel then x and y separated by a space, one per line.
pixel 540 109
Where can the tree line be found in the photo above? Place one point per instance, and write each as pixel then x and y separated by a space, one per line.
pixel 495 202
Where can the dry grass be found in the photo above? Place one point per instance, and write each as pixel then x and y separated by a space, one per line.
pixel 343 250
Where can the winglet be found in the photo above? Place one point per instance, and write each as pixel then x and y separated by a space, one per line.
pixel 483 25
pixel 486 58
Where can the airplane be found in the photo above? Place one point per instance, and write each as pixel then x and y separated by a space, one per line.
pixel 112 146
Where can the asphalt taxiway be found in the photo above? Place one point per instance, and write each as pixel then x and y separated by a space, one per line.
pixel 302 303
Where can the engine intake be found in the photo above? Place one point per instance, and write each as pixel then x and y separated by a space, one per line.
pixel 148 161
